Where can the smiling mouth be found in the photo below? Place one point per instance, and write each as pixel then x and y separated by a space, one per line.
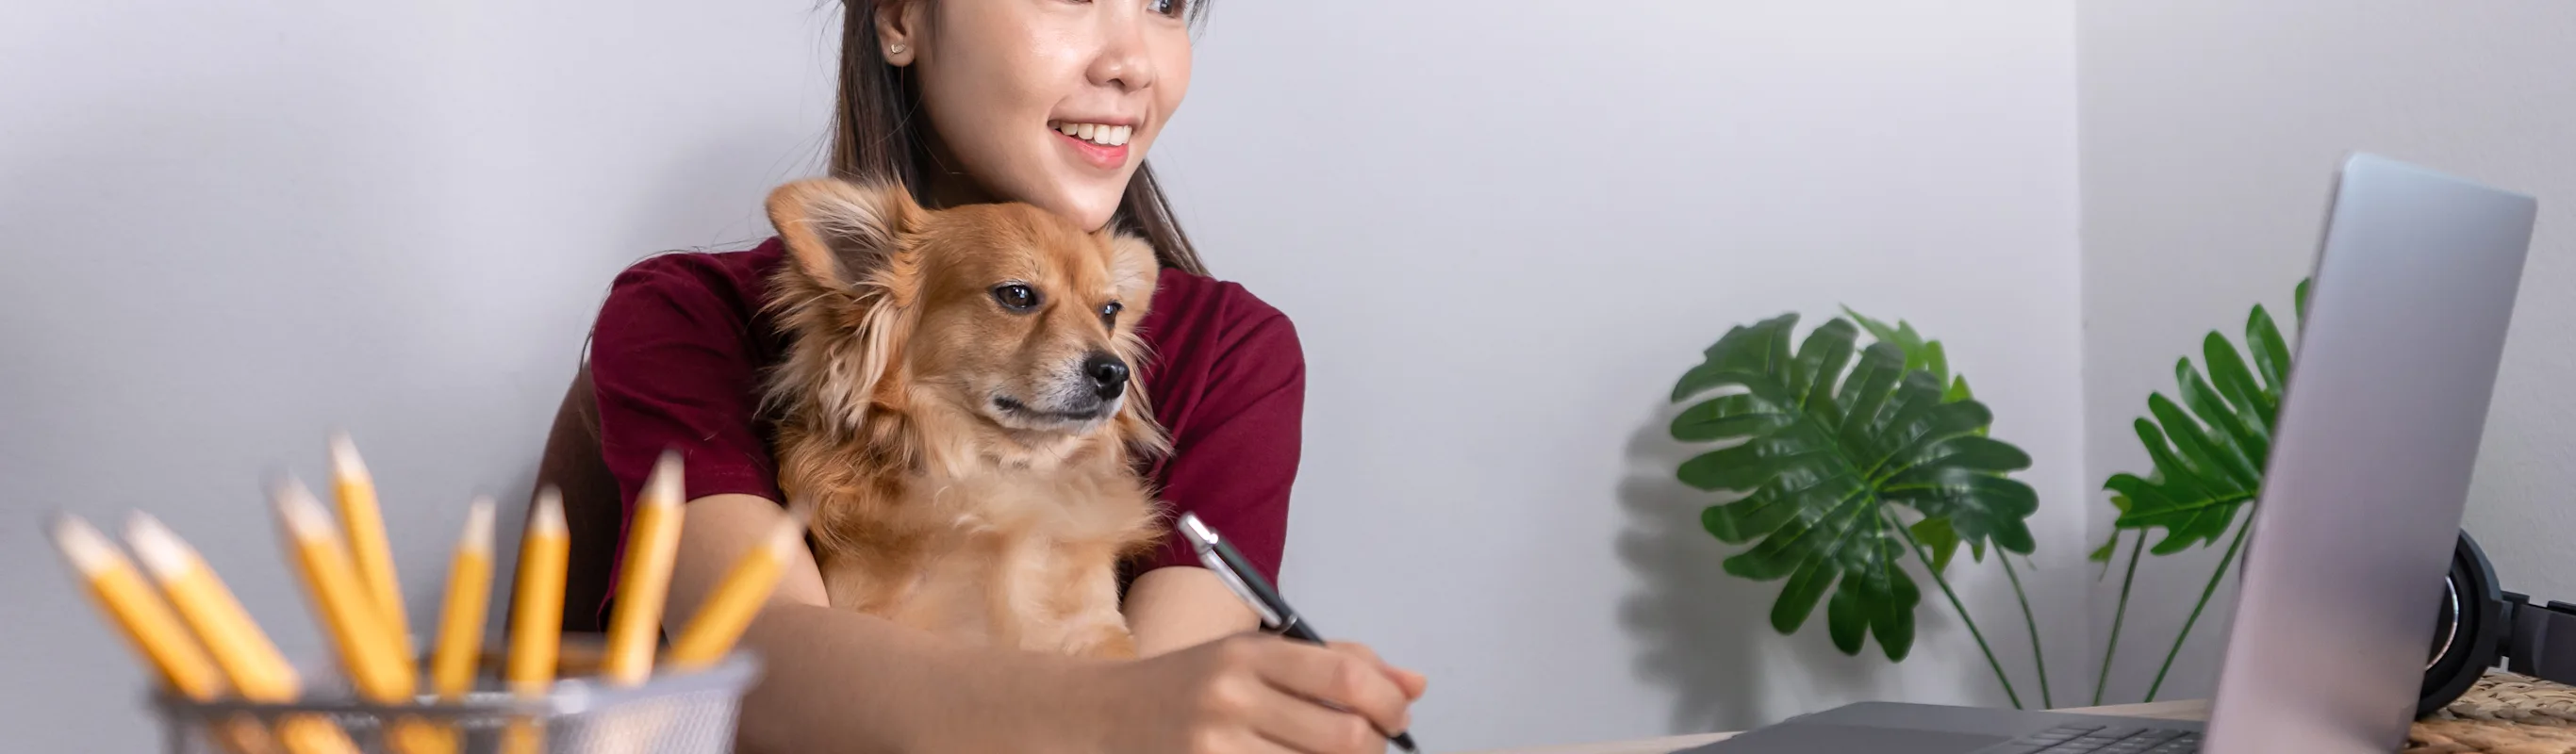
pixel 1098 134
pixel 1015 408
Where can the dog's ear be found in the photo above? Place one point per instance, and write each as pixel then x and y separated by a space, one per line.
pixel 846 294
pixel 838 231
pixel 1133 264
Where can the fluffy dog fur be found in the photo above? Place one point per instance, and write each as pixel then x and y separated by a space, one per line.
pixel 970 471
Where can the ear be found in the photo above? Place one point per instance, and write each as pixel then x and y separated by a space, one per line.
pixel 895 22
pixel 837 231
pixel 846 293
pixel 1135 268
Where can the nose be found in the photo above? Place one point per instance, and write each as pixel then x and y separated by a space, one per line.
pixel 1123 61
pixel 1108 375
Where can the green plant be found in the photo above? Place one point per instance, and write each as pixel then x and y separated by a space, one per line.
pixel 2208 453
pixel 1828 466
pixel 1839 470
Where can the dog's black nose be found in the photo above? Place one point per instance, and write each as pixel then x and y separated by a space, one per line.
pixel 1108 375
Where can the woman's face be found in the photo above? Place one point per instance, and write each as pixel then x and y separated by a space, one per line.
pixel 1050 102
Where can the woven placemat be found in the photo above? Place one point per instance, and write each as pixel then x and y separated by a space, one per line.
pixel 2505 713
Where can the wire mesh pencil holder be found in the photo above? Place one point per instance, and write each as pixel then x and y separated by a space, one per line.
pixel 690 712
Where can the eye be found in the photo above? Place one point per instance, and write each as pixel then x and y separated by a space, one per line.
pixel 1016 297
pixel 1109 314
pixel 1172 8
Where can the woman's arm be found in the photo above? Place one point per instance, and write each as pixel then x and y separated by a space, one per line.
pixel 841 681
pixel 1175 607
pixel 838 680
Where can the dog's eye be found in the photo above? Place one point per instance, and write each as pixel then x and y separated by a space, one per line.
pixel 1016 297
pixel 1109 314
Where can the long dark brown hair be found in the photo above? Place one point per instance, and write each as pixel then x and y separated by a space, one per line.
pixel 878 133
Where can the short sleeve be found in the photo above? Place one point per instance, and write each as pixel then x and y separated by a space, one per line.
pixel 1235 447
pixel 673 362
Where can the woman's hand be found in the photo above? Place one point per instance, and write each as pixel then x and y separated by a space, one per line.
pixel 1254 693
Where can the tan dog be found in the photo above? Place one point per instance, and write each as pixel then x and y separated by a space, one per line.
pixel 959 403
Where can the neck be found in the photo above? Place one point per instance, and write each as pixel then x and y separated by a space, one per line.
pixel 946 183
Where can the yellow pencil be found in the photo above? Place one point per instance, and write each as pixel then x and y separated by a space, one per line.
pixel 149 626
pixel 368 652
pixel 728 610
pixel 536 613
pixel 368 550
pixel 460 625
pixel 644 580
pixel 257 670
pixel 119 590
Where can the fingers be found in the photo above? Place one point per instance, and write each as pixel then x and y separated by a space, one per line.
pixel 1249 742
pixel 1342 679
pixel 1411 682
pixel 1300 725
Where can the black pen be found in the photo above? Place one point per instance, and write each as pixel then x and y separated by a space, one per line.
pixel 1239 575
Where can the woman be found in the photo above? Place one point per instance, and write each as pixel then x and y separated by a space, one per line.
pixel 992 100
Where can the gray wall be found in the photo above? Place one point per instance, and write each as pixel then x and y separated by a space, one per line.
pixel 2211 131
pixel 1503 229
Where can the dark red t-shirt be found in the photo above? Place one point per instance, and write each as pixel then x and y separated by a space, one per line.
pixel 678 351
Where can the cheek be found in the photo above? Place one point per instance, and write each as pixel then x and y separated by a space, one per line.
pixel 1174 62
pixel 1171 86
pixel 977 105
pixel 988 92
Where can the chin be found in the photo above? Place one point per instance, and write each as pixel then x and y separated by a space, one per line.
pixel 1090 201
pixel 1093 209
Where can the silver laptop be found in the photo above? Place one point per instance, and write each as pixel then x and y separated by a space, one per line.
pixel 2361 505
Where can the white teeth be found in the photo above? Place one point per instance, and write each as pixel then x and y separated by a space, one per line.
pixel 1097 133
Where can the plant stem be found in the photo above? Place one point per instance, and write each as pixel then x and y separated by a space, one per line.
pixel 1926 557
pixel 2215 575
pixel 2046 701
pixel 2118 617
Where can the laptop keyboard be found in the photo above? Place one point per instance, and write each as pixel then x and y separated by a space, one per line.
pixel 2103 739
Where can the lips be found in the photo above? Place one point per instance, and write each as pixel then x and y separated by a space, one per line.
pixel 1088 144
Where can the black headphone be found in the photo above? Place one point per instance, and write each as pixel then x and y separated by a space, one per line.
pixel 2481 624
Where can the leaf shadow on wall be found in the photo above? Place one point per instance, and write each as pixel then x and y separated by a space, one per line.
pixel 1702 632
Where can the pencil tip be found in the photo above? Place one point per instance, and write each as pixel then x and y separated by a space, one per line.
pixel 789 535
pixel 345 462
pixel 665 486
pixel 478 524
pixel 160 549
pixel 302 513
pixel 549 518
pixel 81 543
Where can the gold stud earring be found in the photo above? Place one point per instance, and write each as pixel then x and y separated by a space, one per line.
pixel 895 49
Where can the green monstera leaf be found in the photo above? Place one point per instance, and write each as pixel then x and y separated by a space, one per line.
pixel 1827 452
pixel 1920 353
pixel 2209 448
pixel 1925 354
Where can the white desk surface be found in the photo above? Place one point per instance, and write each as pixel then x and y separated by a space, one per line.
pixel 2181 710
